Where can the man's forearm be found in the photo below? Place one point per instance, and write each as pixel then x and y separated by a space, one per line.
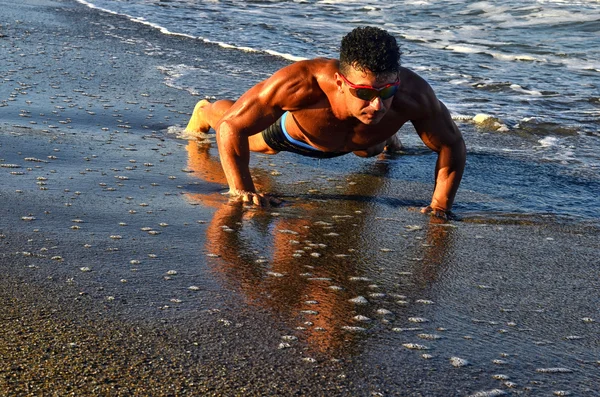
pixel 234 152
pixel 448 174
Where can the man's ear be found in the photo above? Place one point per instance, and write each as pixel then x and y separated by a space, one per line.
pixel 338 81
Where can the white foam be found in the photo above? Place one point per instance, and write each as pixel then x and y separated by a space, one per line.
pixel 410 37
pixel 465 49
pixel 549 141
pixel 416 3
pixel 175 73
pixel 489 393
pixel 166 31
pixel 90 5
pixel 285 56
pixel 571 63
pixel 338 1
pixel 459 82
pixel 550 17
pixel 480 47
pixel 162 29
pixel 522 90
pixel 536 14
pixel 580 64
pixel 516 57
pixel 461 117
pixel 179 132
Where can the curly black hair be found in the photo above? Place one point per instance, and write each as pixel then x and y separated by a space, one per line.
pixel 370 49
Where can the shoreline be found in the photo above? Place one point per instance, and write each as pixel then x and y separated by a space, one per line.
pixel 127 272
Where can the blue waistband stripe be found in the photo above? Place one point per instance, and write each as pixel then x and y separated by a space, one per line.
pixel 292 140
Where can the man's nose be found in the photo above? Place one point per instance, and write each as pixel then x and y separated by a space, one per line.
pixel 377 103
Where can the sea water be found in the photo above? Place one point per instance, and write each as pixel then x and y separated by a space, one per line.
pixel 532 68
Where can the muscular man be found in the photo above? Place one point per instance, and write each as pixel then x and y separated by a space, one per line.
pixel 325 108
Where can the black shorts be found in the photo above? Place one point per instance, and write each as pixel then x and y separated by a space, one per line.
pixel 277 138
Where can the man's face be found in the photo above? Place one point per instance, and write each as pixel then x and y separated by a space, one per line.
pixel 367 111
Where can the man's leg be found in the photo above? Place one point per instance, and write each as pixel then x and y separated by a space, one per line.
pixel 391 145
pixel 206 115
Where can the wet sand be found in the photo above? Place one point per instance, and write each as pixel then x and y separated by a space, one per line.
pixel 127 272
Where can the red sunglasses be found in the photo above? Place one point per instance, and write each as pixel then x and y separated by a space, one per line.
pixel 367 92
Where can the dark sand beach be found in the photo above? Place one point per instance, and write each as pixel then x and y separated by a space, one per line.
pixel 126 271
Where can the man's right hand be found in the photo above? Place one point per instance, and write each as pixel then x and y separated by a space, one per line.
pixel 258 199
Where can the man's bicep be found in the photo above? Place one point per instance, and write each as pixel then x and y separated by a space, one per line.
pixel 287 89
pixel 251 113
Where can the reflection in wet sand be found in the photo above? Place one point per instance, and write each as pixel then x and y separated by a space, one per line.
pixel 208 169
pixel 352 273
pixel 272 261
pixel 314 266
pixel 437 250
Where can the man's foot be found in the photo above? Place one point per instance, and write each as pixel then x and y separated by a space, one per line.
pixel 393 145
pixel 198 124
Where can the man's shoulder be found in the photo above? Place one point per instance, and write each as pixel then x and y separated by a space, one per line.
pixel 410 79
pixel 316 74
pixel 300 84
pixel 315 66
pixel 416 97
pixel 319 62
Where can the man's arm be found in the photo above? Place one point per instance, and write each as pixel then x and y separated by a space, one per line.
pixel 439 132
pixel 255 111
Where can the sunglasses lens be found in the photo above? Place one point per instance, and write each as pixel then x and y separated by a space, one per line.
pixel 388 92
pixel 366 94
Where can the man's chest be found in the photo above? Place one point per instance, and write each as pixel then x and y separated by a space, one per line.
pixel 327 132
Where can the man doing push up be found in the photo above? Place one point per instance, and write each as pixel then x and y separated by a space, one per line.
pixel 325 108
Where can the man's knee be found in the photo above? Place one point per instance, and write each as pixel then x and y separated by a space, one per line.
pixel 391 145
pixel 372 151
pixel 219 108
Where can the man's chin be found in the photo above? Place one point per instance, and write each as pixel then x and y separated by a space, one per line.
pixel 370 120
